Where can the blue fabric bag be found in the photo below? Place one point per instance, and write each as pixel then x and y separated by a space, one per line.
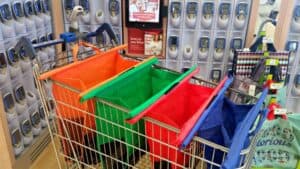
pixel 226 123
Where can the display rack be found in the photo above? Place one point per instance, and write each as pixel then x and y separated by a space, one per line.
pixel 219 28
pixel 95 14
pixel 8 160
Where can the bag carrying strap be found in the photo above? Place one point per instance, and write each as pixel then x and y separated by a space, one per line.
pixel 92 92
pixel 75 49
pixel 233 156
pixel 91 59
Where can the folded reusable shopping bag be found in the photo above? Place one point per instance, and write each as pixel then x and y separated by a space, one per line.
pixel 278 145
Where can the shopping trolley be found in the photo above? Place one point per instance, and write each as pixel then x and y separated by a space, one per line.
pixel 231 125
pixel 115 154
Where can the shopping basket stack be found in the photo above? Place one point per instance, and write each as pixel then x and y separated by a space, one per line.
pixel 116 112
pixel 75 120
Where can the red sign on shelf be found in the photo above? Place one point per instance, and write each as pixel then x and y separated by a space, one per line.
pixel 136 41
pixel 145 42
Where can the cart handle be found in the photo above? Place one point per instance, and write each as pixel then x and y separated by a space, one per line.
pixel 105 27
pixel 262 119
pixel 85 44
pixel 58 70
pixel 237 144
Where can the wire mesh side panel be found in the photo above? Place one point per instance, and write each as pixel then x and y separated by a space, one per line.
pixel 146 144
pixel 71 140
pixel 71 136
pixel 74 122
pixel 209 155
pixel 95 134
pixel 154 145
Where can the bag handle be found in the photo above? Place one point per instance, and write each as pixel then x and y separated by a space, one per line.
pixel 85 44
pixel 233 156
pixel 92 92
pixel 203 116
pixel 262 119
pixel 91 59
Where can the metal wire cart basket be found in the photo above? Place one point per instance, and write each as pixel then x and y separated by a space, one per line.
pixel 146 116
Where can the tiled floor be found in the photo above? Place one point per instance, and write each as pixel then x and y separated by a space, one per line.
pixel 46 160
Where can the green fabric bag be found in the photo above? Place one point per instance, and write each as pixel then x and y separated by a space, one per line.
pixel 278 144
pixel 138 88
pixel 124 98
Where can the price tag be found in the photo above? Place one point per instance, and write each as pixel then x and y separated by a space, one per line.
pixel 266 54
pixel 276 86
pixel 251 90
pixel 272 62
pixel 280 111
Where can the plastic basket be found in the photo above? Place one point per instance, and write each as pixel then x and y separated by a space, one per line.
pixel 180 109
pixel 132 92
pixel 70 80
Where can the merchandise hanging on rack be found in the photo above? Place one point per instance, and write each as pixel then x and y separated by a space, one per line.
pixel 20 26
pixel 85 18
pixel 191 14
pixel 204 43
pixel 114 11
pixel 8 24
pixel 245 62
pixel 241 13
pixel 208 10
pixel 4 72
pixel 224 15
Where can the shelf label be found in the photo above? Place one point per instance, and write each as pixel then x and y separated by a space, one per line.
pixel 280 111
pixel 272 62
pixel 276 86
pixel 251 90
